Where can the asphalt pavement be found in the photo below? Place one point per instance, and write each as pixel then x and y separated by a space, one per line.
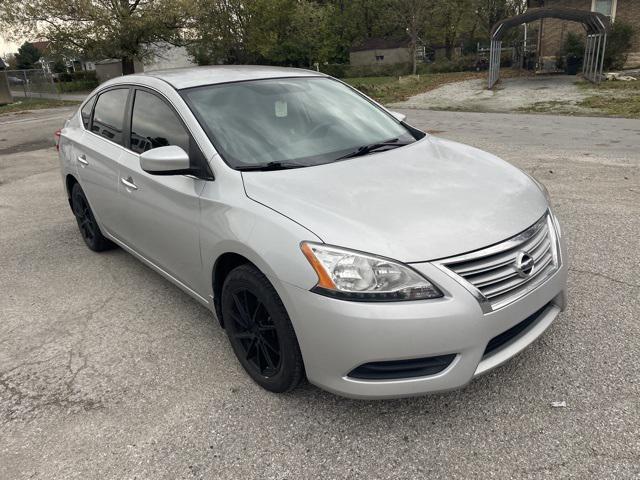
pixel 109 371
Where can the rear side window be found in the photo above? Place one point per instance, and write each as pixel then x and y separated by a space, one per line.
pixel 108 115
pixel 154 124
pixel 86 112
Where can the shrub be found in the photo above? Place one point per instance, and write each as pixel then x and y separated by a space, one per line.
pixel 77 86
pixel 335 70
pixel 466 63
pixel 439 66
pixel 77 81
pixel 619 42
pixel 349 71
pixel 572 51
pixel 85 75
pixel 573 45
pixel 506 59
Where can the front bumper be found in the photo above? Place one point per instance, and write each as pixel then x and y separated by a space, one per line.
pixel 336 336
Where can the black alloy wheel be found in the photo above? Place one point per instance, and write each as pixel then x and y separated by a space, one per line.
pixel 87 224
pixel 260 331
pixel 255 333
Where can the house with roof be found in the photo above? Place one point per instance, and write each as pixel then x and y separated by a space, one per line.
pixel 552 32
pixel 162 56
pixel 392 51
pixel 381 51
pixel 73 63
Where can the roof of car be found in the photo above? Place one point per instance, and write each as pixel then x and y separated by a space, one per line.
pixel 189 77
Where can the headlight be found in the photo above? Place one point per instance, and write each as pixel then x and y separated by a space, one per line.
pixel 357 276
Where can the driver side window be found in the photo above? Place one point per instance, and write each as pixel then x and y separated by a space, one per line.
pixel 154 124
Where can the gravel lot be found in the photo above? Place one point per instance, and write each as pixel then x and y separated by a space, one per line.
pixel 109 371
pixel 512 94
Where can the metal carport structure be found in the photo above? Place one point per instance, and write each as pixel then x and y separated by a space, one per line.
pixel 596 25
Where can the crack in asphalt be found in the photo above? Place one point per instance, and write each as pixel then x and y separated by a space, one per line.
pixel 22 401
pixel 606 277
pixel 28 397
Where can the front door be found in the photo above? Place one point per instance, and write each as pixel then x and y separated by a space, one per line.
pixel 160 213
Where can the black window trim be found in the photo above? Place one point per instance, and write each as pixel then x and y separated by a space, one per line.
pixel 201 167
pixel 205 172
pixel 93 109
pixel 92 99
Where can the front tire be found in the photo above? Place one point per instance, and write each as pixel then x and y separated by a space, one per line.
pixel 87 223
pixel 260 331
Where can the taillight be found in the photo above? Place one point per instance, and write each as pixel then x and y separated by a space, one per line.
pixel 57 139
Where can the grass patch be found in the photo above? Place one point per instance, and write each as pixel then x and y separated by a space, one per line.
pixel 628 107
pixel 24 104
pixel 613 85
pixel 614 98
pixel 398 89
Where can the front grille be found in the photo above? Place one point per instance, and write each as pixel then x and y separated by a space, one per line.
pixel 491 273
pixel 507 336
pixel 398 369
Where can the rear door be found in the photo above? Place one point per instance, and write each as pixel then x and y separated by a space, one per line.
pixel 71 136
pixel 160 213
pixel 99 152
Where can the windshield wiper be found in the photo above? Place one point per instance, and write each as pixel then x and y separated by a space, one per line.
pixel 367 149
pixel 265 167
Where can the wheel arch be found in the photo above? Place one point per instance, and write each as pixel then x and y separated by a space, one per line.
pixel 223 265
pixel 265 241
pixel 69 182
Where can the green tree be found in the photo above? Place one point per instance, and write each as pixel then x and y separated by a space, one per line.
pixel 452 17
pixel 413 15
pixel 121 29
pixel 352 21
pixel 280 32
pixel 59 66
pixel 489 12
pixel 27 56
pixel 287 32
pixel 11 61
pixel 220 31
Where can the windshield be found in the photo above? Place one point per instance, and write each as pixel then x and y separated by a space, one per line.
pixel 292 122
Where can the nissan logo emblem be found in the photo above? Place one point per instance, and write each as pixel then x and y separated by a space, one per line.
pixel 524 264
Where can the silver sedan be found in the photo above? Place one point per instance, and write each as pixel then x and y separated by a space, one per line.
pixel 331 239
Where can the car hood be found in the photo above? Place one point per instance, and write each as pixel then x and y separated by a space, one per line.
pixel 431 199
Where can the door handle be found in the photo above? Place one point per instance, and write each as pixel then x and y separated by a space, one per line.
pixel 128 182
pixel 83 160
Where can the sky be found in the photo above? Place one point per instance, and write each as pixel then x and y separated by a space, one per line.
pixel 7 47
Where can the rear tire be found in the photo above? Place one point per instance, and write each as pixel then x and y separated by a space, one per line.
pixel 260 331
pixel 87 223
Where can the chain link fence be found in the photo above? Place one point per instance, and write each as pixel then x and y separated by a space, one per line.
pixel 34 83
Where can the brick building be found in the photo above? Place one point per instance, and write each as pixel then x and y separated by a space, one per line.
pixel 552 32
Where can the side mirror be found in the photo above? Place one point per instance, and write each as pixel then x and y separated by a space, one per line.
pixel 401 117
pixel 171 160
